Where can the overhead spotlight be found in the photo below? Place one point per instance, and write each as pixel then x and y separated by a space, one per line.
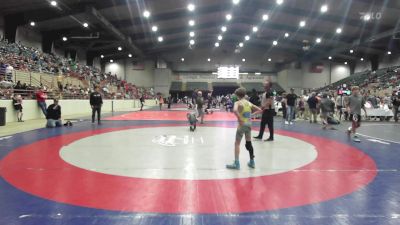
pixel 146 14
pixel 154 28
pixel 247 37
pixel 102 56
pixel 330 57
pixel 228 17
pixel 235 2
pixel 53 3
pixel 269 59
pixel 119 48
pixel 318 40
pixel 192 23
pixel 279 2
pixel 85 25
pixel 362 59
pixel 191 7
pixel 389 52
pixel 111 61
pixel 209 60
pixel 345 63
pixel 65 39
pixel 160 39
pixel 265 17
pixel 182 59
pixel 302 23
pixel 241 44
pixel 351 51
pixel 366 17
pixel 220 37
pixel 192 42
pixel 216 44
pixel 275 43
pixel 243 60
pixel 191 34
pixel 223 28
pixel 255 29
pixel 286 35
pixel 324 8
pixel 130 55
pixel 339 30
pixel 33 24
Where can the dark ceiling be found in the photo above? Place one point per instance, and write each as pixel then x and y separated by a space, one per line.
pixel 121 23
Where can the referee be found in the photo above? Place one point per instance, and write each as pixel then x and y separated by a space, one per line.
pixel 268 107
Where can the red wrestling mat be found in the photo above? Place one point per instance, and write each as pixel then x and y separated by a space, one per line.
pixel 172 115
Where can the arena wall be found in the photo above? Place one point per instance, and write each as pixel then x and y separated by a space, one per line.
pixel 70 108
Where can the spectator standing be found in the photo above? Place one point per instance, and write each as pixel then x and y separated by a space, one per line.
pixel 291 106
pixel 141 102
pixel 396 105
pixel 54 115
pixel 327 108
pixel 199 105
pixel 354 104
pixel 96 102
pixel 312 103
pixel 41 97
pixel 17 104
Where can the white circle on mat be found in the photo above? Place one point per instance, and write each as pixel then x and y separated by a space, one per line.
pixel 177 153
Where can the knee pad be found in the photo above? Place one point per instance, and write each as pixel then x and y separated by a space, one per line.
pixel 248 145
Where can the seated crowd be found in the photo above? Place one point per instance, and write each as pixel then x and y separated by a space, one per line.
pixel 15 56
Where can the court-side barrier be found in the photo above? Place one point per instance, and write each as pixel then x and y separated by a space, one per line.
pixel 69 108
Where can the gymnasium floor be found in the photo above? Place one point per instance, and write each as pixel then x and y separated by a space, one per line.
pixel 147 168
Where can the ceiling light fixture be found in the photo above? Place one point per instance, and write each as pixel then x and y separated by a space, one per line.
pixel 146 14
pixel 279 2
pixel 286 35
pixel 243 60
pixel 366 17
pixel 265 17
pixel 228 17
pixel 269 59
pixel 318 40
pixel 345 63
pixel 324 8
pixel 130 55
pixel 223 28
pixel 119 48
pixel 247 37
pixel 65 39
pixel 192 34
pixel 275 43
pixel 111 61
pixel 209 60
pixel 241 44
pixel 102 56
pixel 85 25
pixel 255 29
pixel 362 59
pixel 330 57
pixel 33 24
pixel 160 39
pixel 389 52
pixel 154 28
pixel 216 44
pixel 235 2
pixel 219 37
pixel 191 7
pixel 53 3
pixel 351 51
pixel 192 42
pixel 302 23
pixel 192 23
pixel 339 30
pixel 182 59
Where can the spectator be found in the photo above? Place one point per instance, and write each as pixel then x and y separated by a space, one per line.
pixel 41 97
pixel 17 104
pixel 312 103
pixel 291 103
pixel 96 102
pixel 54 115
pixel 396 105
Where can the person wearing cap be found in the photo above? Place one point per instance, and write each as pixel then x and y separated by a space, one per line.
pixel 291 106
pixel 54 115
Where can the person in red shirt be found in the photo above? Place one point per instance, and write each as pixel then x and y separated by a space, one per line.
pixel 41 97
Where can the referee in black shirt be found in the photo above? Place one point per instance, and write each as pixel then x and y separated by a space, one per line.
pixel 96 101
pixel 268 107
